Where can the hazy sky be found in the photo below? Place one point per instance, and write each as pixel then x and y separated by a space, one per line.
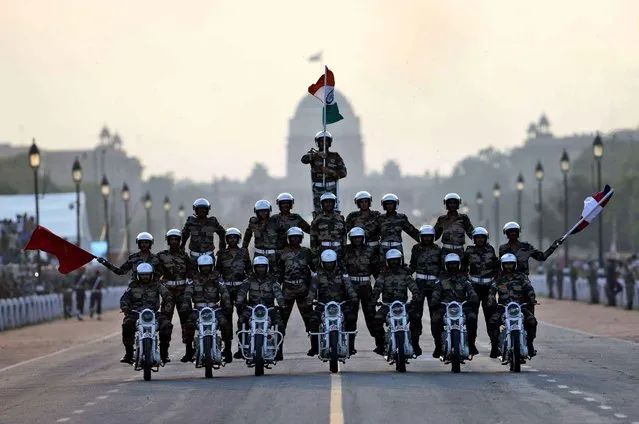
pixel 206 88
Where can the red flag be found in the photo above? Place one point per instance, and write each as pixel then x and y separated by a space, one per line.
pixel 70 256
pixel 593 205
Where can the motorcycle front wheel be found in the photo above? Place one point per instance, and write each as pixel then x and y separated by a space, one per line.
pixel 455 354
pixel 258 358
pixel 208 366
pixel 147 358
pixel 400 361
pixel 515 363
pixel 333 337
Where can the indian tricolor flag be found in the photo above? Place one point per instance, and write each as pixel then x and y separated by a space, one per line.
pixel 593 205
pixel 324 89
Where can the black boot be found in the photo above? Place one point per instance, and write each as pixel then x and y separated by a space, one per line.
pixel 494 348
pixel 164 352
pixel 417 349
pixel 351 345
pixel 531 348
pixel 128 355
pixel 280 353
pixel 379 345
pixel 438 348
pixel 188 354
pixel 314 350
pixel 472 349
pixel 228 355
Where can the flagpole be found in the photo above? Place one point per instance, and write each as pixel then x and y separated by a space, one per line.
pixel 565 236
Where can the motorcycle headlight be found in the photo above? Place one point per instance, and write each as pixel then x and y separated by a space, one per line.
pixel 513 311
pixel 147 317
pixel 260 313
pixel 397 310
pixel 453 311
pixel 332 310
pixel 206 316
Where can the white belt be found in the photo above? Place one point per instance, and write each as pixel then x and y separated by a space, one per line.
pixel 206 305
pixel 328 184
pixel 331 243
pixel 294 282
pixel 265 251
pixel 391 243
pixel 198 254
pixel 452 246
pixel 173 283
pixel 427 277
pixel 372 243
pixel 232 283
pixel 358 279
pixel 479 280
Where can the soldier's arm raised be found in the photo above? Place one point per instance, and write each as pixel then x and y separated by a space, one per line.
pixel 124 268
pixel 304 226
pixel 410 229
pixel 307 158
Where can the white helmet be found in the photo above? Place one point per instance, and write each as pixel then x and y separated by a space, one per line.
pixel 426 230
pixel 356 232
pixel 284 197
pixel 512 225
pixel 233 232
pixel 452 257
pixel 452 196
pixel 323 135
pixel 205 260
pixel 508 257
pixel 393 254
pixel 328 196
pixel 260 260
pixel 294 231
pixel 174 232
pixel 144 268
pixel 328 256
pixel 144 236
pixel 390 197
pixel 262 205
pixel 201 203
pixel 362 195
pixel 480 231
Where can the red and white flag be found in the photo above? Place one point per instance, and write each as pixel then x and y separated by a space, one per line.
pixel 593 205
pixel 70 256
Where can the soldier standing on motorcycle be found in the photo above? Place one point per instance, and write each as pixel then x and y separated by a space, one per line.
pixel 365 218
pixel 426 263
pixel 176 269
pixel 261 287
pixel 482 265
pixel 199 229
pixel 391 225
pixel 145 292
pixel 361 262
pixel 454 286
pixel 207 288
pixel 144 241
pixel 523 250
pixel 234 265
pixel 265 229
pixel 286 219
pixel 393 284
pixel 328 229
pixel 512 286
pixel 453 227
pixel 331 285
pixel 295 264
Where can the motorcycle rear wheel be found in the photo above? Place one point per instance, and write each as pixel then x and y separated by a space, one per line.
pixel 455 354
pixel 147 358
pixel 258 358
pixel 400 361
pixel 515 363
pixel 208 366
pixel 333 337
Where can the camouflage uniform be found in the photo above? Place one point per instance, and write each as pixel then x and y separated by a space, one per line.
pixel 337 171
pixel 453 228
pixel 391 227
pixel 361 263
pixel 629 282
pixel 523 251
pixel 327 232
pixel 139 296
pixel 133 261
pixel 454 288
pixel 426 263
pixel 294 272
pixel 369 222
pixel 234 267
pixel 512 288
pixel 206 290
pixel 266 239
pixel 201 232
pixel 176 268
pixel 394 285
pixel 332 286
pixel 284 222
pixel 260 291
pixel 482 265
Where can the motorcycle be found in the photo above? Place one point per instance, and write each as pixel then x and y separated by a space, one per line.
pixel 512 336
pixel 147 342
pixel 263 343
pixel 398 341
pixel 333 341
pixel 455 337
pixel 208 353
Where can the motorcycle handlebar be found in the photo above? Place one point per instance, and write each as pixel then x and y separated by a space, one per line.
pixel 448 303
pixel 315 302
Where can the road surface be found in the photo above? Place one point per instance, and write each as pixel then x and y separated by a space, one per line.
pixel 576 378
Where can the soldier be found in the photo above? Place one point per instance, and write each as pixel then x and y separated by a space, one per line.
pixel 511 286
pixel 80 293
pixel 176 269
pixel 328 230
pixel 261 288
pixel 200 229
pixel 454 286
pixel 234 264
pixel 393 284
pixel 391 225
pixel 327 168
pixel 295 264
pixel 95 301
pixel 523 250
pixel 453 227
pixel 144 292
pixel 331 285
pixel 144 241
pixel 629 280
pixel 426 263
pixel 286 219
pixel 265 229
pixel 593 281
pixel 365 218
pixel 205 291
pixel 361 262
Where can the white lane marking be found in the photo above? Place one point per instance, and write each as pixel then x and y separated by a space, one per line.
pixel 562 386
pixel 113 391
pixel 542 375
pixel 79 411
pixel 89 404
pixel 336 411
pixel 533 370
pixel 605 407
pixel 102 397
pixel 63 420
pixel 550 380
pixel 585 333
pixel 575 392
pixel 589 399
pixel 57 352
pixel 525 366
pixel 618 415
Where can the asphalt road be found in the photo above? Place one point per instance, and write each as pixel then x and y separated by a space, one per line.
pixel 576 378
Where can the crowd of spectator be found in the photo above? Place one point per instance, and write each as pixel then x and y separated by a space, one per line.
pixel 14 235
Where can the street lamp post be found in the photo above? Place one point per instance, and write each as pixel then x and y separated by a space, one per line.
pixel 76 175
pixel 105 190
pixel 34 163
pixel 181 214
pixel 167 211
pixel 539 175
pixel 126 195
pixel 497 195
pixel 520 188
pixel 564 164
pixel 597 151
pixel 479 199
pixel 148 203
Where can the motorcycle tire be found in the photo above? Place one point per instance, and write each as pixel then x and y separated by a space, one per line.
pixel 147 358
pixel 333 337
pixel 400 361
pixel 258 358
pixel 208 361
pixel 515 363
pixel 455 353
